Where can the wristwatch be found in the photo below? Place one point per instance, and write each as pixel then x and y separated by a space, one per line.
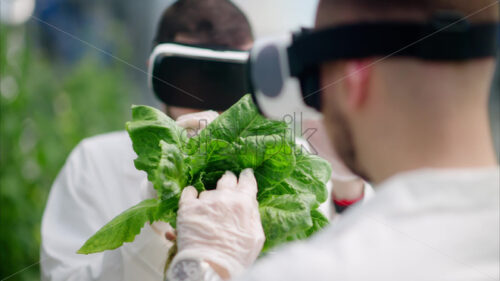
pixel 191 270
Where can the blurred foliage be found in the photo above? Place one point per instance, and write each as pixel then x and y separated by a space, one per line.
pixel 46 109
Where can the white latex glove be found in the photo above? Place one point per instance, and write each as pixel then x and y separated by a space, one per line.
pixel 194 122
pixel 222 226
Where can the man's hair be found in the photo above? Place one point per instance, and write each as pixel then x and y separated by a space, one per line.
pixel 209 22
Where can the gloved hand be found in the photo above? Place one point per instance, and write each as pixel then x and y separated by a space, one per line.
pixel 194 122
pixel 222 226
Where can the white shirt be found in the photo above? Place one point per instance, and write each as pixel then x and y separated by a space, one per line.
pixel 422 225
pixel 98 182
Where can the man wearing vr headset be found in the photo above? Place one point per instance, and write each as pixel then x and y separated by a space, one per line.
pixel 403 91
pixel 99 179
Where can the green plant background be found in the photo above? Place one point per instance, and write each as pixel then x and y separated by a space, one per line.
pixel 46 109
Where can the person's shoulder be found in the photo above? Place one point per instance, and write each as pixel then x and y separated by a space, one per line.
pixel 108 143
pixel 100 171
pixel 112 140
pixel 109 149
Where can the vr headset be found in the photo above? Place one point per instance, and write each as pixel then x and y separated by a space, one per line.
pixel 283 73
pixel 196 76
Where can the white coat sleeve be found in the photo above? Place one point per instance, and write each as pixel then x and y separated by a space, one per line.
pixel 77 207
pixel 72 214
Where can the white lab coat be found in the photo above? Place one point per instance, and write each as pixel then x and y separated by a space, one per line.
pixel 422 225
pixel 98 182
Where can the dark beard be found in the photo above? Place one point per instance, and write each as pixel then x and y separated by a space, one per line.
pixel 341 139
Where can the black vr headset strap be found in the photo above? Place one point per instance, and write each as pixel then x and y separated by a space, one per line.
pixel 390 39
pixel 447 37
pixel 438 42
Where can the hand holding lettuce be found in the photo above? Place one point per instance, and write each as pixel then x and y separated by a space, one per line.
pixel 291 183
pixel 221 226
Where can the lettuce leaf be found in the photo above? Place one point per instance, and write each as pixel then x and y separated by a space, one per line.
pixel 291 183
pixel 122 228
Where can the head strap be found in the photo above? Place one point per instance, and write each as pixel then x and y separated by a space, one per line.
pixel 447 36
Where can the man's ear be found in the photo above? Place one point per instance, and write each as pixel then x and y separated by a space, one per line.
pixel 358 74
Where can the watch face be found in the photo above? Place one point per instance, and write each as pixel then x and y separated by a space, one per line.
pixel 185 270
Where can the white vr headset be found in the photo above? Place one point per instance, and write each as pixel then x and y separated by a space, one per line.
pixel 282 73
pixel 199 77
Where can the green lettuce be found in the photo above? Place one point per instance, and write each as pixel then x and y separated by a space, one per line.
pixel 291 182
